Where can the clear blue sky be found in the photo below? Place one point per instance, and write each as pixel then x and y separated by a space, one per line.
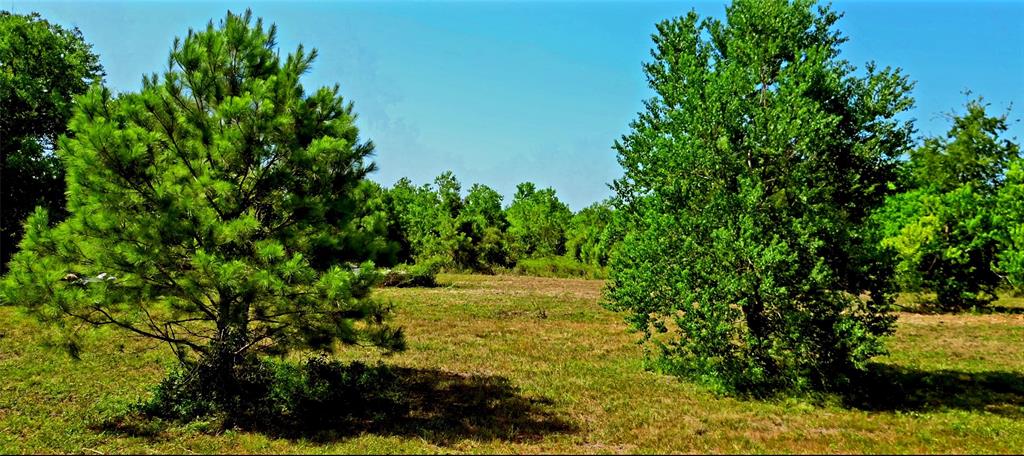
pixel 504 92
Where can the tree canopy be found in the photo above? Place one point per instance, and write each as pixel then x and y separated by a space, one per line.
pixel 42 67
pixel 536 222
pixel 955 222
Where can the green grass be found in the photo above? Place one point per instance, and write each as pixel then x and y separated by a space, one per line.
pixel 508 364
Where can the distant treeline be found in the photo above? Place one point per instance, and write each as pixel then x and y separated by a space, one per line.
pixel 535 233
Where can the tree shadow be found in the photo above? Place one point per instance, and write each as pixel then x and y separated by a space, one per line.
pixel 994 309
pixel 437 406
pixel 884 387
pixel 445 407
pixel 983 310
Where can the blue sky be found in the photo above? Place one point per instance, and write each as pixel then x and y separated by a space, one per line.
pixel 505 92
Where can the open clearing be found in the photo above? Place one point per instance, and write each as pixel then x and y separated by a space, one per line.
pixel 507 364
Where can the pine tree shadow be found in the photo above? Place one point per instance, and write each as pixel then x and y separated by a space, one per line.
pixel 445 407
pixel 437 406
pixel 885 387
pixel 997 309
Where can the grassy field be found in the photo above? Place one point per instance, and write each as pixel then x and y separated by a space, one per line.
pixel 505 364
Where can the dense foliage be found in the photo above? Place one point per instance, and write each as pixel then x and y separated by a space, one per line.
pixel 1009 217
pixel 214 210
pixel 954 223
pixel 747 181
pixel 536 222
pixel 279 397
pixel 42 66
pixel 536 234
pixel 593 234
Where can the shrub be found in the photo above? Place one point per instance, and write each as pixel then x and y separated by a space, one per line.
pixel 276 396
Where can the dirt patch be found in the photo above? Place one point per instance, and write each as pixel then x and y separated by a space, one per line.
pixel 581 289
pixel 960 319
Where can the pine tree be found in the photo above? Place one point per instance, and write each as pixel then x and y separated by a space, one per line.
pixel 210 210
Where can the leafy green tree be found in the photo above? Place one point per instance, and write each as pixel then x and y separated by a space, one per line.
pixel 42 66
pixel 427 217
pixel 406 200
pixel 592 234
pixel 449 194
pixel 536 223
pixel 972 152
pixel 747 182
pixel 484 203
pixel 374 230
pixel 203 211
pixel 439 225
pixel 944 229
pixel 483 222
pixel 1010 220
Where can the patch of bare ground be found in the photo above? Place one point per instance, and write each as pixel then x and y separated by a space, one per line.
pixel 511 285
pixel 960 319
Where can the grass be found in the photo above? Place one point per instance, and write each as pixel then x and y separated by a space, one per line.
pixel 558 267
pixel 509 364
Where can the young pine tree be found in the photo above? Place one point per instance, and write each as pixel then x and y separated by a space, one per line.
pixel 210 211
pixel 747 181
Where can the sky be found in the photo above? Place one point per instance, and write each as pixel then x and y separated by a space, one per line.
pixel 502 92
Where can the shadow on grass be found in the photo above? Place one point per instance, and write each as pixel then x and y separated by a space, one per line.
pixel 894 388
pixel 444 407
pixel 1012 310
pixel 437 406
pixel 984 310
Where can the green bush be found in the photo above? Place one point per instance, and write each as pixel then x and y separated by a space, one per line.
pixel 944 245
pixel 560 267
pixel 277 396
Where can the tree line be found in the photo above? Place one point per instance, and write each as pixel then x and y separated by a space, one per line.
pixel 436 224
